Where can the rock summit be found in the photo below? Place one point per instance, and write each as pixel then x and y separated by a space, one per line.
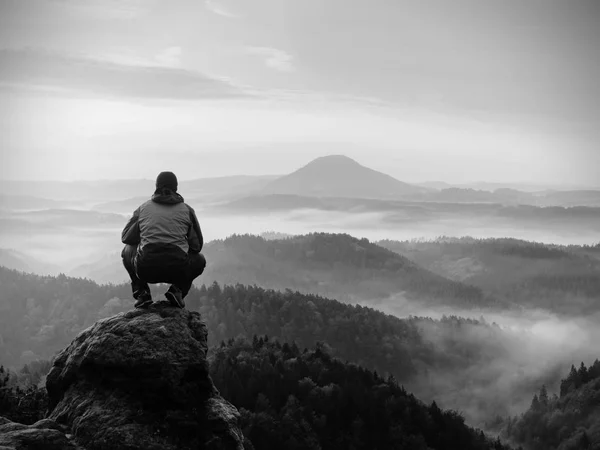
pixel 140 380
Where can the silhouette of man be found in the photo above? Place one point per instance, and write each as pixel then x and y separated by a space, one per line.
pixel 163 241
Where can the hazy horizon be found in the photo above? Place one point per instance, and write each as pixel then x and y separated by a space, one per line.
pixel 432 91
pixel 472 183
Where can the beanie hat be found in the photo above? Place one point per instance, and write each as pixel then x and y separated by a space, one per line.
pixel 166 180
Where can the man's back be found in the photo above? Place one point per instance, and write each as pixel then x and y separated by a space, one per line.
pixel 164 224
pixel 163 242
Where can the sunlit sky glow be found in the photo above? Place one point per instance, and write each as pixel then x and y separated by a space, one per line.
pixel 471 90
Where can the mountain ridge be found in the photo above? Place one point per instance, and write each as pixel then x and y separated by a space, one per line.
pixel 339 175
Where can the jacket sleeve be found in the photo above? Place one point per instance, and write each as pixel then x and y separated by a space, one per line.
pixel 195 239
pixel 131 232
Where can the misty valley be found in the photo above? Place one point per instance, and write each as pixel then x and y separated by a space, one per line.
pixel 299 225
pixel 464 308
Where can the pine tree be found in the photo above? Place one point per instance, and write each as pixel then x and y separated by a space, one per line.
pixel 535 403
pixel 543 398
pixel 582 373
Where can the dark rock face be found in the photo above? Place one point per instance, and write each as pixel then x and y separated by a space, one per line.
pixel 139 380
pixel 45 434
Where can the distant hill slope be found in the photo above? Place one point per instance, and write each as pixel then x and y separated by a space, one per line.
pixel 28 202
pixel 412 210
pixel 125 206
pixel 68 218
pixel 506 196
pixel 568 422
pixel 13 259
pixel 100 191
pixel 340 176
pixel 564 279
pixel 108 269
pixel 334 265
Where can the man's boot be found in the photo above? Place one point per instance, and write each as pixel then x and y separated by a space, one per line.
pixel 175 296
pixel 144 298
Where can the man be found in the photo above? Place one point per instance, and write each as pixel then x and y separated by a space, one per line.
pixel 162 244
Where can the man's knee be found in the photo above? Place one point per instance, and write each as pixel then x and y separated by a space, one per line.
pixel 128 254
pixel 197 263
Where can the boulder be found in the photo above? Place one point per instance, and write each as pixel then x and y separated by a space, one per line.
pixel 140 380
pixel 45 434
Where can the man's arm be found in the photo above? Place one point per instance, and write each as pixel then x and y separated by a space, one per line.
pixel 195 239
pixel 131 232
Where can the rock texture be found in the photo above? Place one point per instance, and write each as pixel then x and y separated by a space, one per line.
pixel 45 434
pixel 139 380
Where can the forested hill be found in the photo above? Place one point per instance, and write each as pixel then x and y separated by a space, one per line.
pixel 570 421
pixel 563 279
pixel 41 315
pixel 334 265
pixel 308 400
pixel 461 363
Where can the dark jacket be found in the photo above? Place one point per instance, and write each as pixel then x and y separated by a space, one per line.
pixel 164 227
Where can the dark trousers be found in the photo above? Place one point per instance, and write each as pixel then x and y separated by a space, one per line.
pixel 180 273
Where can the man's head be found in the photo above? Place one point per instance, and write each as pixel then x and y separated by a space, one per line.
pixel 166 180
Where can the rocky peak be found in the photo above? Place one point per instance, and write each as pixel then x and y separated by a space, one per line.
pixel 139 380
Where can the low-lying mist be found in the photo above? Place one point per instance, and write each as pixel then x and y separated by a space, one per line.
pixel 514 353
pixel 70 239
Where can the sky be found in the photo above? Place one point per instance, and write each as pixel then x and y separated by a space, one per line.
pixel 461 91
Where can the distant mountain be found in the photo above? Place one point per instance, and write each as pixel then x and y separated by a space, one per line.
pixel 108 269
pixel 563 279
pixel 524 187
pixel 96 190
pixel 70 218
pixel 340 176
pixel 13 259
pixel 439 217
pixel 195 192
pixel 28 202
pixel 500 196
pixel 38 193
pixel 334 265
pixel 437 185
pixel 571 198
pixel 125 206
pixel 226 185
pixel 509 196
pixel 288 202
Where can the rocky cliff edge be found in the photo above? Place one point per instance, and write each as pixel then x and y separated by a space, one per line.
pixel 138 380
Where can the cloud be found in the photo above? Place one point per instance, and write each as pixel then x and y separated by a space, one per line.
pixel 106 9
pixel 57 72
pixel 274 58
pixel 214 7
pixel 170 57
